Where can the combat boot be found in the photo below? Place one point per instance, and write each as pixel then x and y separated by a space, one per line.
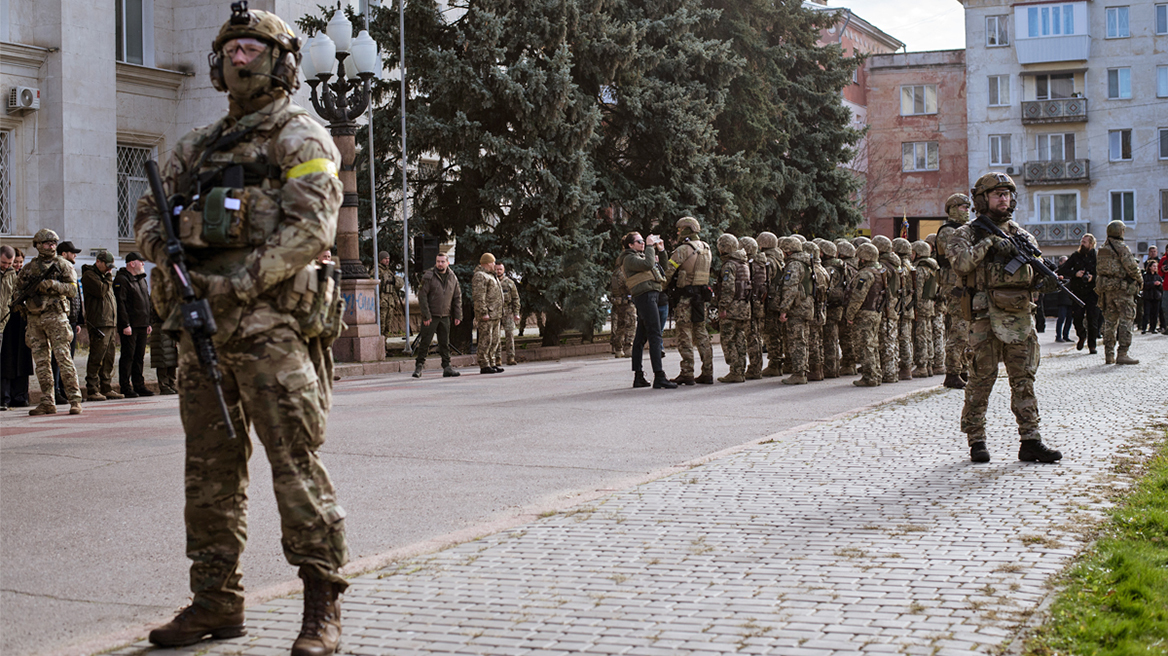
pixel 320 631
pixel 705 379
pixel 732 378
pixel 964 377
pixel 906 373
pixel 618 355
pixel 512 362
pixel 939 371
pixel 94 395
pixel 75 408
pixel 684 379
pixel 417 371
pixel 450 372
pixel 894 378
pixel 661 381
pixel 831 373
pixel 772 369
pixel 1108 355
pixel 639 380
pixel 815 374
pixel 978 452
pixel 194 623
pixel 753 373
pixel 45 407
pixel 866 382
pixel 920 372
pixel 112 395
pixel 849 370
pixel 1036 451
pixel 953 381
pixel 1123 358
pixel 795 379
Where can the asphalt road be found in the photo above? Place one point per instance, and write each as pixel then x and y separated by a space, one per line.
pixel 91 506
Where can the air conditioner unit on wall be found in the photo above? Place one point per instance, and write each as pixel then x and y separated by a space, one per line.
pixel 23 99
pixel 1010 170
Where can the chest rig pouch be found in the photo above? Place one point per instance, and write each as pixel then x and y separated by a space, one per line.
pixel 313 296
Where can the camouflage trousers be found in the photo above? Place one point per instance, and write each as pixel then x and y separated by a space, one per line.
pixel 847 342
pixel 923 342
pixel 956 343
pixel 1119 312
pixel 772 331
pixel 814 347
pixel 507 339
pixel 689 335
pixel 488 342
pixel 798 336
pixel 1021 362
pixel 99 370
pixel 890 348
pixel 624 327
pixel 866 332
pixel 389 312
pixel 281 386
pixel 754 333
pixel 904 336
pixel 49 336
pixel 733 337
pixel 938 349
pixel 831 341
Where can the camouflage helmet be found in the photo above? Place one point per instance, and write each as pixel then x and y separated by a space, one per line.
pixel 789 244
pixel 800 237
pixel 1115 229
pixel 921 248
pixel 727 243
pixel 844 249
pixel 931 240
pixel 988 183
pixel 882 243
pixel 827 249
pixel 267 27
pixel 892 258
pixel 812 249
pixel 767 240
pixel 867 253
pixel 688 224
pixel 901 246
pixel 956 200
pixel 749 245
pixel 43 235
pixel 861 239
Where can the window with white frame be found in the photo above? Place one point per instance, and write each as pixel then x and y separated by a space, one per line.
pixel 918 99
pixel 1056 147
pixel 131 31
pixel 920 156
pixel 1164 204
pixel 1000 149
pixel 1117 27
pixel 1057 207
pixel 1051 20
pixel 1161 19
pixel 6 199
pixel 132 184
pixel 999 90
pixel 997 31
pixel 1162 81
pixel 1119 145
pixel 1118 83
pixel 1163 143
pixel 1123 206
pixel 1050 87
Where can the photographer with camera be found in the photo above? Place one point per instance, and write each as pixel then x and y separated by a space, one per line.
pixel 644 282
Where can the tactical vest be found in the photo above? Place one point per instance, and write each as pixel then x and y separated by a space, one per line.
pixel 928 268
pixel 942 256
pixel 1110 275
pixel 759 280
pixel 617 290
pixel 695 269
pixel 874 301
pixel 742 286
pixel 837 294
pixel 893 278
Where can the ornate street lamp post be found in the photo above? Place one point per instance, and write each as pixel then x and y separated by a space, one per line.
pixel 354 63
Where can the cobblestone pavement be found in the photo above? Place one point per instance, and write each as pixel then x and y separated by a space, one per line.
pixel 867 533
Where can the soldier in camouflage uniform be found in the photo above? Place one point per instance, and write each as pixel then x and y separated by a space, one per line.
pixel 1117 281
pixel 488 309
pixel 274 333
pixel 49 333
pixel 510 314
pixel 940 309
pixel 797 307
pixel 759 283
pixel 733 307
pixel 837 300
pixel 1001 327
pixel 866 298
pixel 925 287
pixel 390 288
pixel 688 272
pixel 847 335
pixel 768 245
pixel 952 292
pixel 908 303
pixel 624 314
pixel 821 282
pixel 890 326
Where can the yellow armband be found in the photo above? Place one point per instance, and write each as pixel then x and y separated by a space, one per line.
pixel 319 165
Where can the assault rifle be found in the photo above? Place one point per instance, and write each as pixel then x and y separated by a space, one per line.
pixel 198 321
pixel 1026 253
pixel 29 290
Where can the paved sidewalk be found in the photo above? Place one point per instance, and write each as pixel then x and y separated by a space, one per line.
pixel 865 533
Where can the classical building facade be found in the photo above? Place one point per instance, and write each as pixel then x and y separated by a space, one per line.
pixel 1071 99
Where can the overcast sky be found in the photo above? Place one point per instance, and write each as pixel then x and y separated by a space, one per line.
pixel 920 24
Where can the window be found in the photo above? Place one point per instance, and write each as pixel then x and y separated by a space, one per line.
pixel 1048 87
pixel 999 149
pixel 1057 207
pixel 919 99
pixel 920 156
pixel 1056 147
pixel 5 185
pixel 1163 143
pixel 1118 83
pixel 1164 204
pixel 1123 206
pixel 1162 81
pixel 132 184
pixel 1050 21
pixel 999 90
pixel 130 33
pixel 1117 23
pixel 997 31
pixel 1161 19
pixel 1119 145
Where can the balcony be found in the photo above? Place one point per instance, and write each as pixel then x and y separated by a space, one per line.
pixel 1075 47
pixel 1058 234
pixel 1058 172
pixel 1060 110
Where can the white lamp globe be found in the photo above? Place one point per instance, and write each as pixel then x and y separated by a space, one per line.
pixel 324 54
pixel 364 53
pixel 340 30
pixel 307 66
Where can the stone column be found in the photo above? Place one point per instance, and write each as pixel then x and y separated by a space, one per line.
pixel 360 342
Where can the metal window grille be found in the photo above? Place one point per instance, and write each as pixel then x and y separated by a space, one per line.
pixel 132 185
pixel 5 182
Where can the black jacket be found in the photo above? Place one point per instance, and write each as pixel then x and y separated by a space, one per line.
pixel 1081 287
pixel 133 296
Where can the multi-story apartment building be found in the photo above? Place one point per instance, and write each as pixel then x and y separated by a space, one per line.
pixel 1071 99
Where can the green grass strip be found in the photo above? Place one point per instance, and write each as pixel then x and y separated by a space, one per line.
pixel 1115 599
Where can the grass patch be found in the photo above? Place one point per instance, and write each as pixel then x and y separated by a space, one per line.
pixel 1115 599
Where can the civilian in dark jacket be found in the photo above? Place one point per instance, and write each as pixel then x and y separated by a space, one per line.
pixel 440 302
pixel 101 318
pixel 1062 326
pixel 1153 294
pixel 1079 270
pixel 67 250
pixel 133 294
pixel 15 356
